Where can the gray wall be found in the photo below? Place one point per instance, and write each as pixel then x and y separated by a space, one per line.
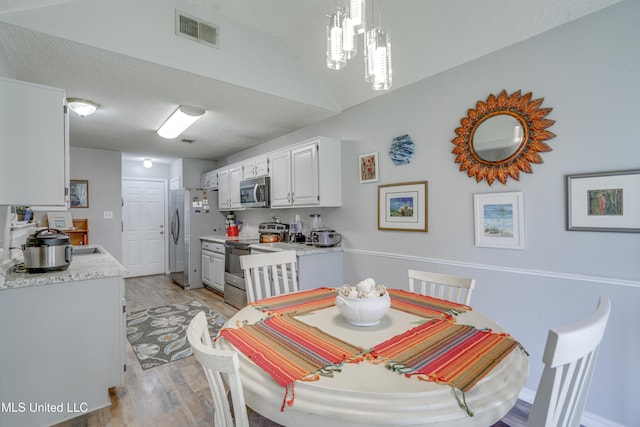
pixel 102 169
pixel 587 71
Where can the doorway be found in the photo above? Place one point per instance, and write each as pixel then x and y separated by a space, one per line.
pixel 143 226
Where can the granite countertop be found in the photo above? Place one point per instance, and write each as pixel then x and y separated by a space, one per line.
pixel 216 238
pixel 84 266
pixel 301 249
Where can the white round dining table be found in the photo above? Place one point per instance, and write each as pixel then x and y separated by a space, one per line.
pixel 366 394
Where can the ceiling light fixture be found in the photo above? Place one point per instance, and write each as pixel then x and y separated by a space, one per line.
pixel 147 163
pixel 179 121
pixel 82 107
pixel 345 24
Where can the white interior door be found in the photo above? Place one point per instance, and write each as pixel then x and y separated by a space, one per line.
pixel 143 216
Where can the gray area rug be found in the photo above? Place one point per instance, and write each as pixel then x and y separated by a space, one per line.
pixel 159 335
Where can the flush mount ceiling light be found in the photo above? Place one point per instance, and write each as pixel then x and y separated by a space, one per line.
pixel 345 24
pixel 179 121
pixel 82 107
pixel 147 163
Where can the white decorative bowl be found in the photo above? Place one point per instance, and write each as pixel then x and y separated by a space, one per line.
pixel 363 311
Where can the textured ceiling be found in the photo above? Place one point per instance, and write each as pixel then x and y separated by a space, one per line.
pixel 246 105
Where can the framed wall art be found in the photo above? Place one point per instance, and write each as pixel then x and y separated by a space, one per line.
pixel 605 201
pixel 79 193
pixel 403 206
pixel 368 167
pixel 499 220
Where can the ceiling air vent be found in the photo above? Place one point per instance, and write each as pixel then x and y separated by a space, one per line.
pixel 195 29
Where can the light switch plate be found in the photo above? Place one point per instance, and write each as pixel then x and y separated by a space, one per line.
pixel 108 214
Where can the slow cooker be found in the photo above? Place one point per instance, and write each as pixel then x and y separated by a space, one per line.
pixel 47 250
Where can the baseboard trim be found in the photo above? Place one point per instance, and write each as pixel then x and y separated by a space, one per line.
pixel 524 271
pixel 588 419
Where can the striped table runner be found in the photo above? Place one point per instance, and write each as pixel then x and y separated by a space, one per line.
pixel 425 306
pixel 445 352
pixel 290 350
pixel 298 302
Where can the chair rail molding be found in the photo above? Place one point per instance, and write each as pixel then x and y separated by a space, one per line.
pixel 524 271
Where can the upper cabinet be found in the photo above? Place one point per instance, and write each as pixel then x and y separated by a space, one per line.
pixel 34 141
pixel 255 167
pixel 209 180
pixel 229 188
pixel 189 172
pixel 307 174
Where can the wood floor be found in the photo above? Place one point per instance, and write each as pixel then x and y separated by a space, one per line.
pixel 177 393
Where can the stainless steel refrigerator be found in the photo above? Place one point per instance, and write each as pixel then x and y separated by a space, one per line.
pixel 187 224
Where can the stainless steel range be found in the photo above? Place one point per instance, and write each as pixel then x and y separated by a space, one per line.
pixel 235 291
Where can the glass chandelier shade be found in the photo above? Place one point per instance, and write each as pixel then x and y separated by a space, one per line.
pixel 378 70
pixel 342 43
pixel 357 15
pixel 349 40
pixel 336 56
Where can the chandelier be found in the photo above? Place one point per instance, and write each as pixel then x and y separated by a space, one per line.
pixel 345 25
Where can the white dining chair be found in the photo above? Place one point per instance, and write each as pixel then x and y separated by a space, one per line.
pixel 569 358
pixel 216 363
pixel 269 274
pixel 443 286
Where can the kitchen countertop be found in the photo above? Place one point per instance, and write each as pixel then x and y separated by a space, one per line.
pixel 215 238
pixel 300 248
pixel 91 265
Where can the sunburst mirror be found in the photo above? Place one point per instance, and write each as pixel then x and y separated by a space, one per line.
pixel 502 136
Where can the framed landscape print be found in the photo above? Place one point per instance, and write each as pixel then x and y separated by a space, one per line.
pixel 368 167
pixel 605 201
pixel 79 193
pixel 403 206
pixel 499 220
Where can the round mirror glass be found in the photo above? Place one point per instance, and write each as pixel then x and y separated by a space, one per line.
pixel 497 138
pixel 502 136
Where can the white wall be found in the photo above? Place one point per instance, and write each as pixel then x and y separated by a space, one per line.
pixel 134 169
pixel 587 71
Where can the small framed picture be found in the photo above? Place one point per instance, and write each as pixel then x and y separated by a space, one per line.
pixel 499 220
pixel 605 201
pixel 368 167
pixel 403 206
pixel 79 193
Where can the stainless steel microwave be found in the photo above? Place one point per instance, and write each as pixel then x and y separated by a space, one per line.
pixel 254 193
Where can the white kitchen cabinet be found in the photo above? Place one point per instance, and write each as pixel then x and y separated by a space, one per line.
pixel 207 267
pixel 315 267
pixel 209 180
pixel 68 349
pixel 34 143
pixel 307 174
pixel 255 167
pixel 223 189
pixel 304 175
pixel 280 189
pixel 213 265
pixel 229 188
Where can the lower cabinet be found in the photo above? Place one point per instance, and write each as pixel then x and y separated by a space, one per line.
pixel 213 265
pixel 63 347
pixel 317 269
